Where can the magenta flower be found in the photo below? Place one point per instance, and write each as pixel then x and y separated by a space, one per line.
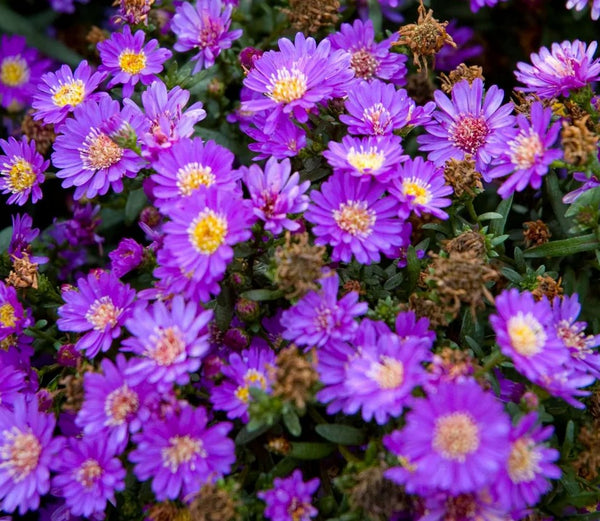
pixel 88 475
pixel 58 93
pixel 126 257
pixel 126 60
pixel 579 5
pixel 290 499
pixel 455 440
pixel 408 327
pixel 181 454
pixel 22 170
pixel 567 66
pixel 13 318
pixel 275 193
pixel 472 506
pixel 98 307
pixel 204 27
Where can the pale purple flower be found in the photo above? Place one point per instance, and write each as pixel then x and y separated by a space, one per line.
pixel 126 257
pixel 22 170
pixel 579 5
pixel 290 499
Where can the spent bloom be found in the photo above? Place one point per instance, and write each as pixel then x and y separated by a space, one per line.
pixel 290 498
pixel 22 170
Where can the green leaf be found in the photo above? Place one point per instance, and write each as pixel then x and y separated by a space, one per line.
pixel 564 247
pixel 311 450
pixel 246 435
pixel 555 195
pixel 135 203
pixel 569 440
pixel 497 225
pixel 261 295
pixel 393 282
pixel 490 216
pixel 5 237
pixel 341 434
pixel 292 422
pixel 413 267
pixel 512 275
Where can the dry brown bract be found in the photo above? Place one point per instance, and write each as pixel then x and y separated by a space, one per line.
pixel 536 233
pixel 293 377
pixel 547 286
pixel 471 241
pixel 24 273
pixel 462 176
pixel 578 141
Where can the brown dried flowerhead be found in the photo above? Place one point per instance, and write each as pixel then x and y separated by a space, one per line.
pixel 462 72
pixel 308 16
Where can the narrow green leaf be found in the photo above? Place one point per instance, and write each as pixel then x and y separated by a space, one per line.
pixel 134 205
pixel 555 195
pixel 564 247
pixel 260 295
pixel 511 275
pixel 292 422
pixel 310 450
pixel 497 225
pixel 5 237
pixel 413 267
pixel 490 216
pixel 393 282
pixel 569 439
pixel 246 435
pixel 341 434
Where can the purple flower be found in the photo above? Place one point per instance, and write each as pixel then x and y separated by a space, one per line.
pixel 85 154
pixel 65 6
pixel 420 187
pixel 285 140
pixel 579 5
pixel 58 93
pixel 369 60
pixel 588 184
pixel 297 77
pixel 351 215
pixel 525 333
pixel 470 123
pixel 23 235
pixel 319 316
pixel 290 498
pixel 126 257
pixel 373 156
pixel 449 58
pixel 476 5
pixel 22 170
pixel 567 66
pixel 528 155
pixel 12 385
pixel 455 440
pixel 408 327
pixel 169 343
pixel 20 71
pixel 13 318
pixel 98 307
pixel 88 475
pixel 472 506
pixel 275 194
pixel 126 60
pixel 204 27
pixel 26 452
pixel 181 454
pixel 243 371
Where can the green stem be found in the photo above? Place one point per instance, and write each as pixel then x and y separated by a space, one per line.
pixel 493 360
pixel 471 209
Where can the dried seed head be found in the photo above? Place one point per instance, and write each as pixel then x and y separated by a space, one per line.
pixel 43 135
pixel 213 504
pixel 279 445
pixel 547 286
pixel 462 176
pixel 588 461
pixel 293 377
pixel 471 241
pixel 163 512
pixel 24 273
pixel 578 141
pixel 462 72
pixel 425 307
pixel 96 35
pixel 308 16
pixel 535 233
pixel 353 285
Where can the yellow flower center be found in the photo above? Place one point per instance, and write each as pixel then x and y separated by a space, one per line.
pixel 181 450
pixel 88 473
pixel 388 373
pixel 99 151
pixel 455 436
pixel 14 71
pixel 168 345
pixel 7 315
pixel 523 461
pixel 527 335
pixel 525 149
pixel 287 86
pixel 414 187
pixel 20 453
pixel 71 93
pixel 119 404
pixel 252 378
pixel 354 217
pixel 20 175
pixel 103 313
pixel 207 232
pixel 132 62
pixel 363 160
pixel 193 175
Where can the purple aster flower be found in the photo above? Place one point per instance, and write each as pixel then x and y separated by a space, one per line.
pixel 369 60
pixel 20 71
pixel 408 327
pixel 26 453
pixel 285 140
pixel 448 57
pixel 126 60
pixel 567 66
pixel 455 440
pixel 525 333
pixel 181 454
pixel 373 156
pixel 169 343
pixel 65 6
pixel 126 257
pixel 275 193
pixel 243 371
pixel 204 27
pixel 23 235
pixel 588 184
pixel 476 5
pixel 58 93
pixel 290 498
pixel 351 215
pixel 579 5
pixel 12 385
pixel 85 154
pixel 319 316
pixel 88 475
pixel 470 123
pixel 376 109
pixel 297 77
pixel 472 506
pixel 566 382
pixel 22 170
pixel 113 406
pixel 13 318
pixel 98 307
pixel 420 187
pixel 528 155
pixel 188 166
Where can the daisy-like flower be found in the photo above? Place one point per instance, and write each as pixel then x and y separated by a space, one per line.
pixel 181 454
pixel 85 154
pixel 469 123
pixel 12 385
pixel 126 60
pixel 189 165
pixel 373 156
pixel 26 453
pixel 368 59
pixel 169 343
pixel 58 93
pixel 297 77
pixel 290 499
pixel 376 109
pixel 275 193
pixel 455 440
pixel 126 257
pixel 319 316
pixel 88 475
pixel 243 371
pixel 98 307
pixel 20 70
pixel 420 187
pixel 13 318
pixel 579 5
pixel 525 333
pixel 408 327
pixel 350 214
pixel 286 139
pixel 470 506
pixel 565 67
pixel 588 184
pixel 528 155
pixel 22 170
pixel 205 27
